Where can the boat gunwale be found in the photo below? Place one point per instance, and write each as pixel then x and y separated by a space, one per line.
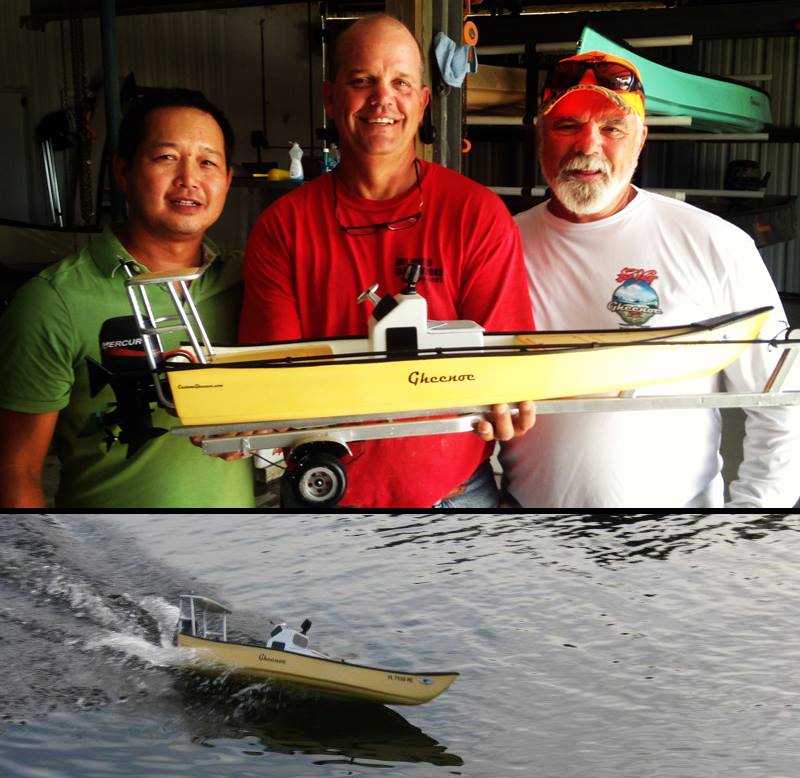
pixel 661 336
pixel 330 660
pixel 382 358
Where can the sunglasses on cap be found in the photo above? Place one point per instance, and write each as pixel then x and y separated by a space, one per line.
pixel 614 75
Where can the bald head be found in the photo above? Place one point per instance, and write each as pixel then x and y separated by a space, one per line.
pixel 370 27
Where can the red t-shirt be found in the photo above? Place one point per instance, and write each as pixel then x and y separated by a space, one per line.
pixel 303 274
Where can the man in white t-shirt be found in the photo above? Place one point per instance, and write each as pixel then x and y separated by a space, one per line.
pixel 603 254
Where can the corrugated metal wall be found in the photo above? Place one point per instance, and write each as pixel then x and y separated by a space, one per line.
pixel 699 165
pixel 217 52
pixel 778 57
pixel 27 60
pixel 186 49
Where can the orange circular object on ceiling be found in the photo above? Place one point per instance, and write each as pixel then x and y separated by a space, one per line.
pixel 471 34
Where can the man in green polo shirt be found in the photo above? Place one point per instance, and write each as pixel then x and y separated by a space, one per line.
pixel 174 165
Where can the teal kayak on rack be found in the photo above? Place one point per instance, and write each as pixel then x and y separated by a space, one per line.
pixel 715 104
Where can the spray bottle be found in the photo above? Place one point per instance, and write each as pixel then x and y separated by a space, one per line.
pixel 334 157
pixel 296 166
pixel 330 158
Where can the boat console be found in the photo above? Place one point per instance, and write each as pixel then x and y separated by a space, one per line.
pixel 284 638
pixel 399 323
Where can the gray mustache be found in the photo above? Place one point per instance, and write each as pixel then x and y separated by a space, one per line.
pixel 585 162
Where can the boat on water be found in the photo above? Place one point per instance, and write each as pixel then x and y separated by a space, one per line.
pixel 713 103
pixel 286 657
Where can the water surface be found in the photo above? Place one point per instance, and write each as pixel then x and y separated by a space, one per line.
pixel 587 646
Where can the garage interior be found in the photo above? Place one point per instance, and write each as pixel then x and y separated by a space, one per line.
pixel 264 64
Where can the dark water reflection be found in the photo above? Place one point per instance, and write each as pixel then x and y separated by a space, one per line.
pixel 282 721
pixel 603 646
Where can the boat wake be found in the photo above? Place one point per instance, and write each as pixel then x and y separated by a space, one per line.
pixel 74 609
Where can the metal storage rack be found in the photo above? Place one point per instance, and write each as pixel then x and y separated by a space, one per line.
pixel 521 127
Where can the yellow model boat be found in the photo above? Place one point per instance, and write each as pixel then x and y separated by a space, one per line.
pixel 507 368
pixel 286 658
pixel 409 363
pixel 409 376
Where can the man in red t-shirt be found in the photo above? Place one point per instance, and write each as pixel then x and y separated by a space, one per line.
pixel 316 249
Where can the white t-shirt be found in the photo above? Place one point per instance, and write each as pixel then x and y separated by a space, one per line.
pixel 657 262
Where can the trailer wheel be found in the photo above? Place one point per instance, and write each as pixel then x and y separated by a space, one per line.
pixel 319 479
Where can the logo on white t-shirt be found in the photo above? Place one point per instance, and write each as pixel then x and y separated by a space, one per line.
pixel 635 300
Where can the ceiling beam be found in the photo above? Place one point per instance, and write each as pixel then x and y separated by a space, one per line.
pixel 44 11
pixel 718 20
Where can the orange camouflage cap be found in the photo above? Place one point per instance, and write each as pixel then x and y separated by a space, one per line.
pixel 615 78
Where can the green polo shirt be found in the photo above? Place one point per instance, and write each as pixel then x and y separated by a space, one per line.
pixel 54 323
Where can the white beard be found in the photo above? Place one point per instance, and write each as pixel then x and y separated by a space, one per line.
pixel 587 197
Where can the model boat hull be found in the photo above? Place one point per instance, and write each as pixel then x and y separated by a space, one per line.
pixel 329 676
pixel 712 103
pixel 292 381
